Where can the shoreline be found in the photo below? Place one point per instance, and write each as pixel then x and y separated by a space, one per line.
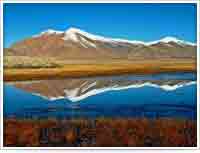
pixel 90 70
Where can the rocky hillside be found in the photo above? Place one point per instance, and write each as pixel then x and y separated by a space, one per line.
pixel 77 44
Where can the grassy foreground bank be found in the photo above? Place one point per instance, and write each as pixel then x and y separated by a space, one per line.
pixel 98 69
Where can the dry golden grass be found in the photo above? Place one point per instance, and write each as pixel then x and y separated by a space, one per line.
pixel 29 62
pixel 85 70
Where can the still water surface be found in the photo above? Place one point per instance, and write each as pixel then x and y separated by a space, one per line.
pixel 152 96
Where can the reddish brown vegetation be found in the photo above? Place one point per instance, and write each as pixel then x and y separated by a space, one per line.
pixel 101 133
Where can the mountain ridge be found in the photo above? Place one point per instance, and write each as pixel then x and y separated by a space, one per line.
pixel 77 44
pixel 73 30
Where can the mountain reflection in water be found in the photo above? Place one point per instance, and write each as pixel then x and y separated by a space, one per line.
pixel 160 95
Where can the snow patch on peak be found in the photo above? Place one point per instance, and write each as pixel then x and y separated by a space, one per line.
pixel 70 34
pixel 73 30
pixel 171 39
pixel 129 41
pixel 51 31
pixel 48 32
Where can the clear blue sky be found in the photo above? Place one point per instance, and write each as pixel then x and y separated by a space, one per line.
pixel 145 22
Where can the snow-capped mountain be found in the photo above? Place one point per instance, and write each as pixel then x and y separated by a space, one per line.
pixel 72 34
pixel 78 44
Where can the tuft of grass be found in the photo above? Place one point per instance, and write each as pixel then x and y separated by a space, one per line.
pixel 29 62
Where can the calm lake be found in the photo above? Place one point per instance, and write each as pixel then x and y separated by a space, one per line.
pixel 152 96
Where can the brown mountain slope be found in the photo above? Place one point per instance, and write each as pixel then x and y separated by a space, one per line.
pixel 77 44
